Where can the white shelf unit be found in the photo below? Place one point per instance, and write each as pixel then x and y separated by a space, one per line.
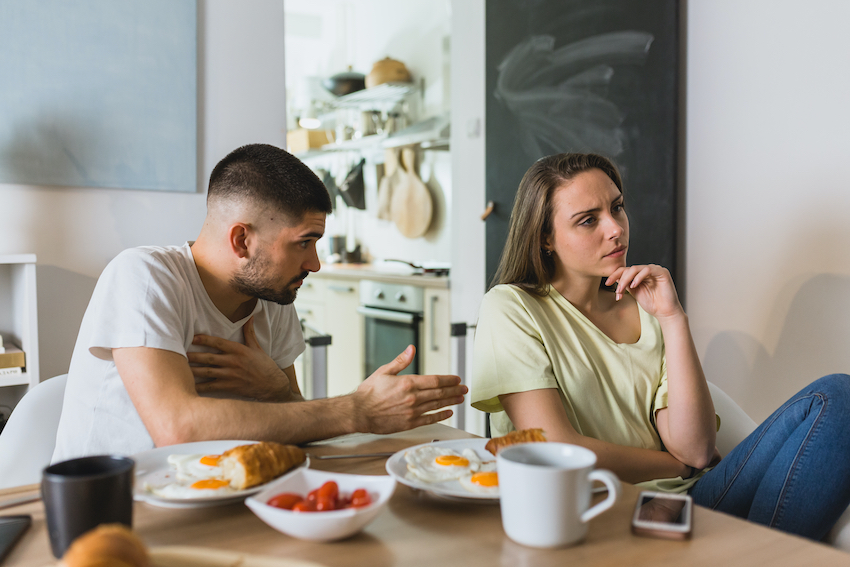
pixel 19 314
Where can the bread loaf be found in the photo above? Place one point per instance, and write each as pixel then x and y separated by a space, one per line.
pixel 249 465
pixel 108 545
pixel 515 437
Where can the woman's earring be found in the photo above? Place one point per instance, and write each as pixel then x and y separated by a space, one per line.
pixel 547 252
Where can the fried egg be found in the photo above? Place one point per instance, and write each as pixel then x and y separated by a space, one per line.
pixel 198 489
pixel 195 467
pixel 439 464
pixel 198 476
pixel 481 482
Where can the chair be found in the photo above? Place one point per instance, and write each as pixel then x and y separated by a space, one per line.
pixel 28 440
pixel 735 423
pixel 734 428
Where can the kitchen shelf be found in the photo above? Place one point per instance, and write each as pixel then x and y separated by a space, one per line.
pixel 385 95
pixel 432 133
pixel 19 314
pixel 365 143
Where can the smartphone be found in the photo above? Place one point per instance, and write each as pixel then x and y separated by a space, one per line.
pixel 664 515
pixel 11 530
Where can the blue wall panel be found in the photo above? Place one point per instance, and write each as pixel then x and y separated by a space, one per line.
pixel 99 93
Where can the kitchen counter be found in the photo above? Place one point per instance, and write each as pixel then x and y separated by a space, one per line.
pixel 372 272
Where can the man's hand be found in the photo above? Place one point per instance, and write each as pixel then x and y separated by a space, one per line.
pixel 241 370
pixel 386 402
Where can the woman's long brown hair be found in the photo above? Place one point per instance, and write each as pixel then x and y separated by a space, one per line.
pixel 523 262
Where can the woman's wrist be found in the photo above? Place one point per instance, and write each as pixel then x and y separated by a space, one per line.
pixel 677 317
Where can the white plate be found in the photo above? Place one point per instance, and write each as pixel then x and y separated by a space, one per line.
pixel 152 468
pixel 397 468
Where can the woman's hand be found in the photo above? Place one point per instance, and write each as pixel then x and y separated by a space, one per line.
pixel 651 286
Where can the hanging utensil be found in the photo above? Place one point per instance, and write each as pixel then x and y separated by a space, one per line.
pixel 411 206
pixel 330 185
pixel 352 189
pixel 387 184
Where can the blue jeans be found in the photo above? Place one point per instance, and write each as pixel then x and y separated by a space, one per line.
pixel 793 471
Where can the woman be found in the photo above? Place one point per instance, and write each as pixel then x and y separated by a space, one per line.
pixel 613 367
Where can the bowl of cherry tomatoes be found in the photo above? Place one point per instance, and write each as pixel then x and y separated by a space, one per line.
pixel 322 506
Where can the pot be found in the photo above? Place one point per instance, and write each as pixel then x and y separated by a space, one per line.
pixel 345 83
pixel 387 71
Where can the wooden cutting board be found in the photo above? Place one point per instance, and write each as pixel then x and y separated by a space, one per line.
pixel 186 556
pixel 388 182
pixel 412 206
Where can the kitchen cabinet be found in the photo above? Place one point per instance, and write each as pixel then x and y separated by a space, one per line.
pixel 19 315
pixel 328 302
pixel 330 306
pixel 437 330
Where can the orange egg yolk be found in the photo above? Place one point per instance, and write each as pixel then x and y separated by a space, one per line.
pixel 210 460
pixel 451 461
pixel 485 479
pixel 209 484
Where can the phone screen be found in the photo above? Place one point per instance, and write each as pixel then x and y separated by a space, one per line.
pixel 662 509
pixel 11 530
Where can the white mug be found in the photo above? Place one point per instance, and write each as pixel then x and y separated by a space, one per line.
pixel 545 491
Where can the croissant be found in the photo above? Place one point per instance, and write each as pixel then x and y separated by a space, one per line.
pixel 113 545
pixel 249 465
pixel 496 444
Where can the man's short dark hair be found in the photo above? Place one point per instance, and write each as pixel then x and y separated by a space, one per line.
pixel 271 176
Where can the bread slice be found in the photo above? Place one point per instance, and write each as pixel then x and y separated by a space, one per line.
pixel 249 465
pixel 496 444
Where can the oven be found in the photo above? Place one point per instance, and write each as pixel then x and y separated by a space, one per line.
pixel 392 316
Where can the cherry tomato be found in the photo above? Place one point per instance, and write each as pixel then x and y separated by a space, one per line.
pixel 313 496
pixel 304 506
pixel 324 504
pixel 329 490
pixel 285 500
pixel 360 498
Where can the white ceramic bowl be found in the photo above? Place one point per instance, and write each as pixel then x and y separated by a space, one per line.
pixel 322 526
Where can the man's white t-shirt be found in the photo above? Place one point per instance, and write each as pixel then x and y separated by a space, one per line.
pixel 149 297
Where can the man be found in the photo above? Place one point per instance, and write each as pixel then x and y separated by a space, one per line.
pixel 197 342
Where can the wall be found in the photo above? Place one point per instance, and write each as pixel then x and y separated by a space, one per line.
pixel 768 273
pixel 467 254
pixel 74 232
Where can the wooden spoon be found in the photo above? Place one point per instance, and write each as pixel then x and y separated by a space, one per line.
pixel 388 181
pixel 411 206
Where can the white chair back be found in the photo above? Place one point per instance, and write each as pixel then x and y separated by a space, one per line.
pixel 735 424
pixel 28 440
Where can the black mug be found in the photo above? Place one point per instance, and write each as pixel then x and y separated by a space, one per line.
pixel 83 493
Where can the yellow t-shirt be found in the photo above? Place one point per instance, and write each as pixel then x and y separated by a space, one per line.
pixel 610 391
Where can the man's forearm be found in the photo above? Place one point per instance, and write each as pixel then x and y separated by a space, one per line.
pixel 295 422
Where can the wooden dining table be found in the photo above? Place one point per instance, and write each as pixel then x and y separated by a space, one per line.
pixel 419 528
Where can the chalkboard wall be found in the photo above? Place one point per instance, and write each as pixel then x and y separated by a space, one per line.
pixel 586 76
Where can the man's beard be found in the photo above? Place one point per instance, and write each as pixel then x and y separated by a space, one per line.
pixel 251 282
